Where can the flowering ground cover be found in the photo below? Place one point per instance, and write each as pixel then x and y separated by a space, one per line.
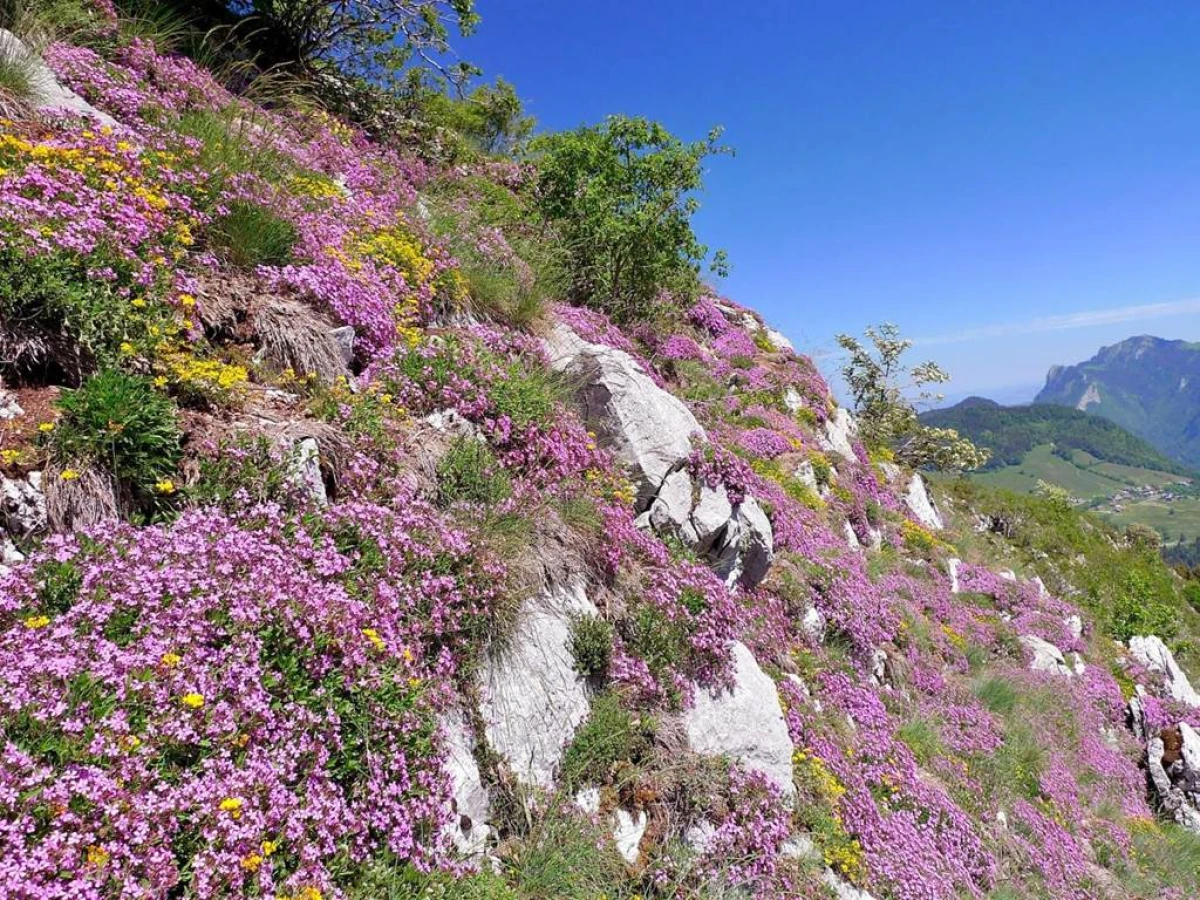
pixel 241 689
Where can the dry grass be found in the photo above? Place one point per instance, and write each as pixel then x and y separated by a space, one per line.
pixel 293 336
pixel 88 498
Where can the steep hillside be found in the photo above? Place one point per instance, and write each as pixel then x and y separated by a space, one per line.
pixel 1146 385
pixel 340 557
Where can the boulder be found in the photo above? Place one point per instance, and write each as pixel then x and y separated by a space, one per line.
pixel 530 696
pixel 469 829
pixel 9 407
pixel 1074 622
pixel 9 555
pixel 344 338
pixel 650 430
pixel 792 400
pixel 1172 767
pixel 843 890
pixel 306 470
pixel 918 503
pixel 814 624
pixel 1046 657
pixel 23 505
pixel 807 475
pixel 744 548
pixel 49 94
pixel 1156 656
pixel 588 800
pixel 778 341
pixel 745 724
pixel 840 431
pixel 952 567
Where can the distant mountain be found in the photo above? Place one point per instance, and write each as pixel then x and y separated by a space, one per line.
pixel 1011 432
pixel 1147 385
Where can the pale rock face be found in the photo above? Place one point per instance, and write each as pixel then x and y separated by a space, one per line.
pixel 48 93
pixel 1007 574
pixel 651 430
pixel 699 835
pixel 344 338
pixel 879 661
pixel 628 832
pixel 530 696
pixel 23 505
pixel 452 422
pixel 807 475
pixel 814 624
pixel 952 567
pixel 708 518
pixel 1074 624
pixel 1043 593
pixel 1177 786
pixel 778 341
pixel 843 890
pixel 745 724
pixel 1046 657
pixel 918 503
pixel 746 549
pixel 306 470
pixel 9 407
pixel 891 471
pixel 588 800
pixel 852 540
pixel 469 827
pixel 840 431
pixel 1078 666
pixel 9 555
pixel 1191 747
pixel 792 400
pixel 1152 653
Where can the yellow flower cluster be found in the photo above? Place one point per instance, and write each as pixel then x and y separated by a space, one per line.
pixel 373 636
pixel 233 806
pixel 314 186
pixel 96 855
pixel 193 700
pixel 211 378
pixel 37 621
pixel 397 246
pixel 812 771
pixel 958 641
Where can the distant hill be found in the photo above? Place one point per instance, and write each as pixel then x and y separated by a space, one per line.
pixel 1147 385
pixel 1011 432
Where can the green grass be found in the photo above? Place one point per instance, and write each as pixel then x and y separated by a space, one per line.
pixel 470 473
pixel 251 235
pixel 611 735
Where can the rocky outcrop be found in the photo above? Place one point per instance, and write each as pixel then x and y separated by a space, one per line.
pixel 839 433
pixel 1045 656
pixel 530 696
pixel 306 470
pixel 628 833
pixel 745 724
pixel 652 431
pixel 49 94
pixel 469 828
pixel 918 503
pixel 1156 656
pixel 22 505
pixel 1172 767
pixel 9 407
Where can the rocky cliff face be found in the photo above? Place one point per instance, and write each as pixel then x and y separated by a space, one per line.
pixel 1145 384
pixel 557 610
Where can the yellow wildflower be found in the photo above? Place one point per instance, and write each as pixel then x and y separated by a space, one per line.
pixel 414 682
pixel 194 700
pixel 138 303
pixel 131 742
pixel 252 862
pixel 126 347
pixel 165 486
pixel 46 427
pixel 37 621
pixel 171 660
pixel 309 893
pixel 69 475
pixel 373 636
pixel 8 457
pixel 160 381
pixel 407 654
pixel 97 855
pixel 187 300
pixel 269 847
pixel 233 806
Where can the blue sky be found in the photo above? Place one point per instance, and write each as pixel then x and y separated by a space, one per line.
pixel 1015 184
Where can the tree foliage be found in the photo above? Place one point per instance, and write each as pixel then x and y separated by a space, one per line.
pixel 622 195
pixel 373 39
pixel 881 383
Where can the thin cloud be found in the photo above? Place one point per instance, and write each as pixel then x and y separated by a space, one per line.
pixel 1067 322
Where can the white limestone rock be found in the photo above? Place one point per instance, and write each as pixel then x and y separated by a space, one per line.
pixel 1074 625
pixel 745 724
pixel 1156 656
pixel 800 846
pixel 778 341
pixel 9 407
pixel 452 422
pixel 745 549
pixel 807 475
pixel 344 337
pixel 1046 657
pixel 843 890
pixel 839 433
pixel 652 431
pixel 814 624
pixel 628 832
pixel 792 400
pixel 49 94
pixel 22 505
pixel 952 567
pixel 588 800
pixel 306 470
pixel 918 503
pixel 469 828
pixel 530 696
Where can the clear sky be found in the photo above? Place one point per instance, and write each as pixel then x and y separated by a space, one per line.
pixel 1016 184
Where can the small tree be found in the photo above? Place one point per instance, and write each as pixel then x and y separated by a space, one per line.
pixel 621 194
pixel 880 384
pixel 372 39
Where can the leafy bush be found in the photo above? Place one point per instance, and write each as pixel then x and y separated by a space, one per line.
pixel 591 645
pixel 247 470
pixel 621 196
pixel 251 235
pixel 470 473
pixel 388 879
pixel 118 421
pixel 1140 608
pixel 226 150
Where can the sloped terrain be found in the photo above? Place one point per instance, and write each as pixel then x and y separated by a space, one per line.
pixel 327 573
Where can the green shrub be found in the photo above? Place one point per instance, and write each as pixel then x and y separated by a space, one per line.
pixel 470 473
pixel 226 150
pixel 119 422
pixel 591 645
pixel 622 195
pixel 248 469
pixel 16 76
pixel 251 235
pixel 997 694
pixel 1142 607
pixel 922 738
pixel 565 857
pixel 389 879
pixel 662 643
